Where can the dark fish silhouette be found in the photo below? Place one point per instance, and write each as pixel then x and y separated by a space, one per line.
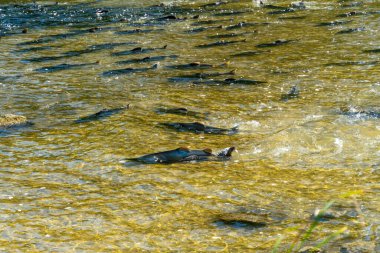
pixel 351 30
pixel 199 76
pixel 220 43
pixel 229 35
pixel 229 81
pixel 353 63
pixel 101 114
pixel 282 11
pixel 230 13
pixel 335 23
pixel 248 53
pixel 138 50
pixel 197 127
pixel 138 30
pixel 360 114
pixel 201 29
pixel 293 93
pixel 376 50
pixel 207 22
pixel 148 59
pixel 184 155
pixel 352 13
pixel 125 71
pixel 275 43
pixel 63 66
pixel 292 18
pixel 192 65
pixel 33 49
pixel 180 111
pixel 240 25
pixel 243 220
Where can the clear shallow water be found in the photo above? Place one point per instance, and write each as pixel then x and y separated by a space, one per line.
pixel 64 189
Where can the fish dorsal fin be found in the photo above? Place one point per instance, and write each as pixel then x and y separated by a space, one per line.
pixel 183 149
pixel 208 150
pixel 195 64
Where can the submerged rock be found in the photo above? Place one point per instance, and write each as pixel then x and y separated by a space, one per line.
pixel 11 120
pixel 184 155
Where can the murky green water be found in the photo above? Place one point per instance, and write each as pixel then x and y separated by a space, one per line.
pixel 63 188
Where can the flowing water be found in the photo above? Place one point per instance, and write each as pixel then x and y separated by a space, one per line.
pixel 63 188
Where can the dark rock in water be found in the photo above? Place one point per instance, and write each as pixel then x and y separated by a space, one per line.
pixel 13 121
pixel 353 63
pixel 101 114
pixel 229 35
pixel 351 30
pixel 197 127
pixel 377 50
pixel 148 59
pixel 198 76
pixel 220 43
pixel 180 111
pixel 184 155
pixel 242 220
pixel 359 247
pixel 126 71
pixel 229 81
pixel 63 66
pixel 138 50
pixel 138 30
pixel 249 53
pixel 294 92
pixel 335 23
pixel 275 43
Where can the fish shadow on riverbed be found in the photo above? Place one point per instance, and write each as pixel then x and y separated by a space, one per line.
pixel 105 113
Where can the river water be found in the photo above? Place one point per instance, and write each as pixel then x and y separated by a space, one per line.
pixel 63 187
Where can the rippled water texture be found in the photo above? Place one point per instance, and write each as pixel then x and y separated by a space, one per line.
pixel 62 186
